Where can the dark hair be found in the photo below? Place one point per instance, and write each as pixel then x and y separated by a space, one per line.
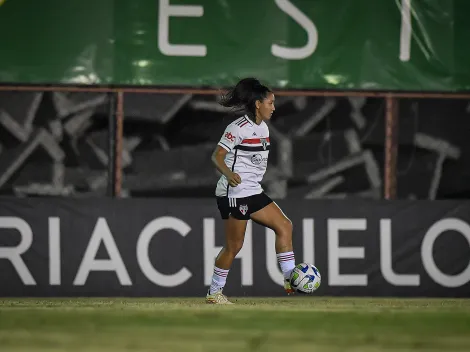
pixel 244 96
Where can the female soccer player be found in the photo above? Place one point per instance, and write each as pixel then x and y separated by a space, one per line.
pixel 242 156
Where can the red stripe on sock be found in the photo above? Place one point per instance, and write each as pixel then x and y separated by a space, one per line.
pixel 285 253
pixel 285 256
pixel 220 273
pixel 286 259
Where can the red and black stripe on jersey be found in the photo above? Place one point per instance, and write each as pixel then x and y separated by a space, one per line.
pixel 258 148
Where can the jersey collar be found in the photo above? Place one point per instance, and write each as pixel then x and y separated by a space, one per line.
pixel 249 120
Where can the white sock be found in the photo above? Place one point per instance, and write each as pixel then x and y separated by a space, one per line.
pixel 219 278
pixel 287 263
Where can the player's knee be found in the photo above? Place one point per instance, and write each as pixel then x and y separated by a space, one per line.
pixel 233 247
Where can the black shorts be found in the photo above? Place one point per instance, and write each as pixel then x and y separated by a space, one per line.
pixel 242 208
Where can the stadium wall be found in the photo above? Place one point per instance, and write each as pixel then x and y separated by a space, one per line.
pixel 166 247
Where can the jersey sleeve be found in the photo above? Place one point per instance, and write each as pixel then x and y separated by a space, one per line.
pixel 230 138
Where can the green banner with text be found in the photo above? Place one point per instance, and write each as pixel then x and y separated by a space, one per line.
pixel 292 44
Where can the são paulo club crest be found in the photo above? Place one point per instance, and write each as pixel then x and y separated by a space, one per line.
pixel 264 142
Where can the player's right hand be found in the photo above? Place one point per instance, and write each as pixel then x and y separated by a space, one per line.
pixel 234 179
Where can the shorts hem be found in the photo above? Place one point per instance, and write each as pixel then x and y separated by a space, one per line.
pixel 242 208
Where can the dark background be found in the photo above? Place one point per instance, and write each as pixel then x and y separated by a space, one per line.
pixel 56 144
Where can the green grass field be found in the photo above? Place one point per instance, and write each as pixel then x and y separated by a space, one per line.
pixel 267 324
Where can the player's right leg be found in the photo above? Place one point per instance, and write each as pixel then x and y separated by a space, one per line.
pixel 234 237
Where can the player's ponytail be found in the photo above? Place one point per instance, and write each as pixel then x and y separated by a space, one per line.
pixel 244 96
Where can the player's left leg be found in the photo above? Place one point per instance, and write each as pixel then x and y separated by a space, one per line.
pixel 272 217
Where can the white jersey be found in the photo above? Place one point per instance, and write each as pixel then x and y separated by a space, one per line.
pixel 248 147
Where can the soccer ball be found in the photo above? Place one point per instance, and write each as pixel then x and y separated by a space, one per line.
pixel 305 278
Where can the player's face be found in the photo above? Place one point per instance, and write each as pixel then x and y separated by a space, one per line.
pixel 266 107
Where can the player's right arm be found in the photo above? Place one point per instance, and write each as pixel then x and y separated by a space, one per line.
pixel 229 140
pixel 218 158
